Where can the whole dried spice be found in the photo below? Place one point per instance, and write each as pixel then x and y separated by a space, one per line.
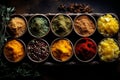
pixel 38 50
pixel 76 8
pixel 85 49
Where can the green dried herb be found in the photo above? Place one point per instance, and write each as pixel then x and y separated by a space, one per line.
pixel 6 69
pixel 5 13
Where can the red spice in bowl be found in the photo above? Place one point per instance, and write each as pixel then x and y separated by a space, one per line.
pixel 85 49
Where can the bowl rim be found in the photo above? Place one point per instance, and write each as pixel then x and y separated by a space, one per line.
pixel 38 15
pixel 54 58
pixel 90 58
pixel 114 16
pixel 113 60
pixel 24 46
pixel 61 14
pixel 91 17
pixel 43 40
pixel 22 17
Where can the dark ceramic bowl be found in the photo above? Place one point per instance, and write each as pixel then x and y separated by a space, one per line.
pixel 61 25
pixel 38 50
pixel 108 24
pixel 85 49
pixel 16 50
pixel 108 50
pixel 39 25
pixel 17 26
pixel 61 49
pixel 84 25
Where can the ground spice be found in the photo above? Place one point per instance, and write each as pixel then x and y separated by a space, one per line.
pixel 84 25
pixel 17 26
pixel 61 50
pixel 14 50
pixel 85 49
pixel 61 25
pixel 39 26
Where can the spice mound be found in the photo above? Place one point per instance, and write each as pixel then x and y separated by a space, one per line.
pixel 14 50
pixel 37 50
pixel 108 50
pixel 84 25
pixel 61 50
pixel 39 26
pixel 17 26
pixel 61 25
pixel 85 49
pixel 108 25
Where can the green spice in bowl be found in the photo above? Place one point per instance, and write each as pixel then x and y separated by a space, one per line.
pixel 39 26
pixel 61 25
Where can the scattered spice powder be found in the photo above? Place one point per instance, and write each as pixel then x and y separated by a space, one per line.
pixel 14 50
pixel 38 50
pixel 85 49
pixel 84 25
pixel 17 26
pixel 61 50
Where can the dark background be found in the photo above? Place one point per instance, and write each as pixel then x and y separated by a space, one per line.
pixel 73 72
pixel 50 6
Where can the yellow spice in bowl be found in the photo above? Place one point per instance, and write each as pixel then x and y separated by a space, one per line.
pixel 17 26
pixel 61 50
pixel 108 49
pixel 14 50
pixel 108 25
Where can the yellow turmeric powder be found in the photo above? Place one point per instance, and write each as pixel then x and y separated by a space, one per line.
pixel 14 50
pixel 62 50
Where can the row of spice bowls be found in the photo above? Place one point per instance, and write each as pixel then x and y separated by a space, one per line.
pixel 62 25
pixel 62 50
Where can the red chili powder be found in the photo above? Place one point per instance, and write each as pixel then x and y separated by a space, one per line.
pixel 85 49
